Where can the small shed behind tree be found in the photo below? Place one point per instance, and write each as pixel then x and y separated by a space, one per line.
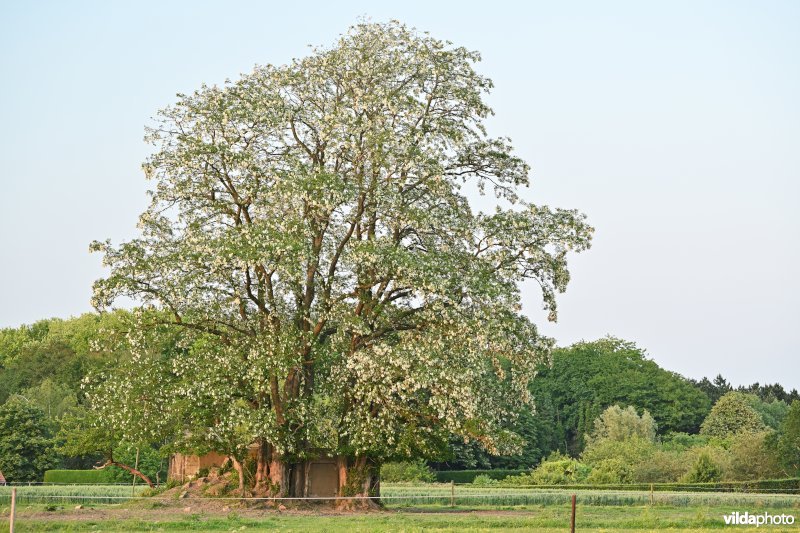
pixel 2 479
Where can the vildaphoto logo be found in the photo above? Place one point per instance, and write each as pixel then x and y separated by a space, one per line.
pixel 763 519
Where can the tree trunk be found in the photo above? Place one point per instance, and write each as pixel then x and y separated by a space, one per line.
pixel 239 470
pixel 130 469
pixel 359 483
pixel 298 479
pixel 278 476
pixel 262 466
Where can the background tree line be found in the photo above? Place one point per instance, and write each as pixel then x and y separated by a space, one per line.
pixel 589 400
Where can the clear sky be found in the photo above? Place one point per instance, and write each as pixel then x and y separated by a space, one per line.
pixel 675 126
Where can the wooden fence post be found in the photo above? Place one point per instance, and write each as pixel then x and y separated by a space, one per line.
pixel 652 498
pixel 13 509
pixel 452 493
pixel 572 516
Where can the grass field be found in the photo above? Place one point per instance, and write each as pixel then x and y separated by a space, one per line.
pixel 422 508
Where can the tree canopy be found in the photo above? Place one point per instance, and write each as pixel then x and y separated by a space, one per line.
pixel 618 424
pixel 25 443
pixel 587 377
pixel 732 414
pixel 310 236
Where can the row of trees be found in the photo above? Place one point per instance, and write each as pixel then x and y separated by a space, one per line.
pixel 44 409
pixel 43 368
pixel 734 444
pixel 582 380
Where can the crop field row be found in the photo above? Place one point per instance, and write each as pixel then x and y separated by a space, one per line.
pixel 443 495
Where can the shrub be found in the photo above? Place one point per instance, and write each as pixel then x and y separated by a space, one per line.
pixel 557 469
pixel 682 441
pixel 483 479
pixel 631 451
pixel 704 470
pixel 407 472
pixel 607 471
pixel 751 458
pixel 618 424
pixel 467 476
pixel 662 466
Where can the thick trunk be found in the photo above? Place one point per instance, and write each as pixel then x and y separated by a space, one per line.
pixel 359 483
pixel 130 469
pixel 278 476
pixel 299 480
pixel 239 470
pixel 262 465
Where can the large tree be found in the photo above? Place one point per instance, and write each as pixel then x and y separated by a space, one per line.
pixel 310 232
pixel 788 444
pixel 26 448
pixel 587 377
pixel 731 415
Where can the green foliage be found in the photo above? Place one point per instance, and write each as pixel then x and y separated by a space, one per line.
pixel 79 477
pixel 57 350
pixel 410 471
pixel 483 480
pixel 612 470
pixel 588 377
pixel 53 398
pixel 788 443
pixel 631 450
pixel 752 457
pixel 704 470
pixel 152 463
pixel 732 414
pixel 39 361
pixel 682 441
pixel 333 288
pixel 662 466
pixel 715 389
pixel 617 424
pixel 14 340
pixel 772 413
pixel 26 449
pixel 557 469
pixel 540 438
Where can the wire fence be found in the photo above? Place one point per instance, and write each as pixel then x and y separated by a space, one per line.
pixel 397 495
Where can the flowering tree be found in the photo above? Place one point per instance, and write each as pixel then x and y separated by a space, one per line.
pixel 309 234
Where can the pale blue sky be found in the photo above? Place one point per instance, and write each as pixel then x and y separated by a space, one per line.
pixel 674 126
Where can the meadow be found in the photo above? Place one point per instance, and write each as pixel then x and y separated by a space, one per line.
pixel 407 508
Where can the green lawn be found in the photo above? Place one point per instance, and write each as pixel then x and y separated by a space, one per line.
pixel 596 518
pixel 477 509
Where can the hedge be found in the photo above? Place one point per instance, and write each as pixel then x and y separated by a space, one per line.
pixel 466 476
pixel 790 485
pixel 79 477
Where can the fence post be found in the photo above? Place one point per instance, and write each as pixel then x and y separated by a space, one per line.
pixel 13 509
pixel 452 493
pixel 651 494
pixel 572 516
